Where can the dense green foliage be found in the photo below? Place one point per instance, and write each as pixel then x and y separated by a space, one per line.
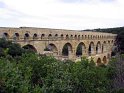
pixel 27 72
pixel 30 73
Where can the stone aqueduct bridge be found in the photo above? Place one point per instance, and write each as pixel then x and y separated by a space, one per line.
pixel 63 44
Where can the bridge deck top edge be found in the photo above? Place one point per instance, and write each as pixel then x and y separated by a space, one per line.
pixel 50 29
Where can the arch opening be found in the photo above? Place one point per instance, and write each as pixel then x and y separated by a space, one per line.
pixel 75 36
pixel 30 48
pixel 62 36
pixel 71 36
pixel 98 48
pixel 67 36
pixel 35 36
pixel 42 36
pixel 104 47
pixel 78 37
pixel 49 36
pixel 82 37
pixel 52 47
pixel 16 36
pixel 99 62
pixel 67 49
pixel 56 36
pixel 80 50
pixel 5 35
pixel 104 60
pixel 26 36
pixel 91 49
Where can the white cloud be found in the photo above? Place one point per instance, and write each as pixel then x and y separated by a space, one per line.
pixel 83 14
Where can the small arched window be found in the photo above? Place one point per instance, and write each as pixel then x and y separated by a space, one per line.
pixel 56 35
pixel 78 36
pixel 5 35
pixel 98 37
pixel 82 37
pixel 67 37
pixel 35 36
pixel 49 36
pixel 42 36
pixel 71 36
pixel 88 36
pixel 26 36
pixel 61 36
pixel 16 36
pixel 91 37
pixel 75 36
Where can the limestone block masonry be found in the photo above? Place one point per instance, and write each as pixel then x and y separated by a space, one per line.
pixel 63 44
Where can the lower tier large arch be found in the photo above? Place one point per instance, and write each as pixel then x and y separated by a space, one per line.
pixel 81 49
pixel 52 47
pixel 91 48
pixel 29 47
pixel 67 49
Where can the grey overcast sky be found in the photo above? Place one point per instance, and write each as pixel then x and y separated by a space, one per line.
pixel 62 14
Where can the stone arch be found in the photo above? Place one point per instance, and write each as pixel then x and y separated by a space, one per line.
pixel 56 35
pixel 98 37
pixel 67 49
pixel 30 47
pixel 49 36
pixel 62 36
pixel 75 36
pixel 71 36
pixel 109 42
pixel 102 36
pixel 91 48
pixel 98 47
pixel 104 60
pixel 5 35
pixel 52 47
pixel 88 37
pixel 67 36
pixel 16 36
pixel 35 36
pixel 78 36
pixel 80 49
pixel 82 36
pixel 104 47
pixel 42 36
pixel 26 36
pixel 108 46
pixel 91 37
pixel 99 62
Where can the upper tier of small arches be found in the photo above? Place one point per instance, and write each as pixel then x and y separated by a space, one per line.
pixel 55 36
pixel 34 34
